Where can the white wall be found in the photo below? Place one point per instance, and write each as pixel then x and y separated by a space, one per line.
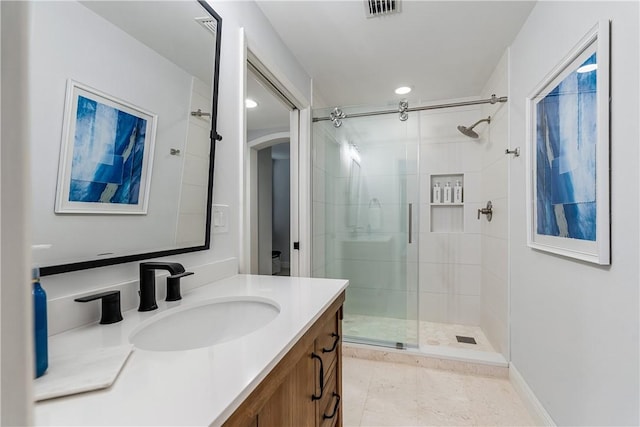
pixel 56 53
pixel 235 15
pixel 574 325
pixel 281 208
pixel 265 211
pixel 494 295
pixel 16 334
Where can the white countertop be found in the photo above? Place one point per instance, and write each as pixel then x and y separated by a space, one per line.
pixel 194 387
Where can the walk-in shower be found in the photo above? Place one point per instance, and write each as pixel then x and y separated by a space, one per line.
pixel 413 262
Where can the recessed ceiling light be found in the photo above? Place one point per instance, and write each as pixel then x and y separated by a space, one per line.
pixel 587 68
pixel 403 90
pixel 250 103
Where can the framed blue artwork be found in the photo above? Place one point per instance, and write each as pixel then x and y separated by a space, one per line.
pixel 568 154
pixel 106 154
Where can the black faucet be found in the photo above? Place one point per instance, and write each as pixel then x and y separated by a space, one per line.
pixel 148 283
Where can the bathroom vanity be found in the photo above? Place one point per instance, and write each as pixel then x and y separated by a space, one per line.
pixel 286 372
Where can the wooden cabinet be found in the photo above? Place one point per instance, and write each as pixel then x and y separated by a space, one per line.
pixel 305 387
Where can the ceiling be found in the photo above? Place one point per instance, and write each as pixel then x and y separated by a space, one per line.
pixel 270 116
pixel 173 31
pixel 442 49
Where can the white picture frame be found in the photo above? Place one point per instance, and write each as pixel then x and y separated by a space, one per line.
pixel 567 154
pixel 106 154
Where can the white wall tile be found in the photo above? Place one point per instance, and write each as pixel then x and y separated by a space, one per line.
pixel 193 199
pixel 318 249
pixel 498 225
pixel 196 170
pixel 433 307
pixel 467 310
pixel 470 154
pixel 441 125
pixel 319 179
pixel 471 222
pixel 457 279
pixel 495 180
pixel 434 247
pixel 190 228
pixel 438 158
pixel 319 218
pixel 465 248
pixel 445 308
pixel 198 142
pixel 495 296
pixel 497 139
pixel 472 190
pixel 495 256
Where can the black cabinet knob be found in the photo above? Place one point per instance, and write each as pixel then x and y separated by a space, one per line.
pixel 111 312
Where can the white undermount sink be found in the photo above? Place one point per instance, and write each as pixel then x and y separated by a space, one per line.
pixel 204 324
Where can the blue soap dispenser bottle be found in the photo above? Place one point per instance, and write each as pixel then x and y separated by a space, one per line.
pixel 39 324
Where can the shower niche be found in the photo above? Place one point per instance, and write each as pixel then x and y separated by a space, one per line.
pixel 447 209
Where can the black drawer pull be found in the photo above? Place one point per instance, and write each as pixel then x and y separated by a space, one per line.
pixel 314 397
pixel 335 343
pixel 335 408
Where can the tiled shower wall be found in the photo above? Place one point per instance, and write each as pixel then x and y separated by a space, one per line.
pixel 326 169
pixel 450 239
pixel 495 251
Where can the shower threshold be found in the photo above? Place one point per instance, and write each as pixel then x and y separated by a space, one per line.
pixel 377 343
pixel 445 358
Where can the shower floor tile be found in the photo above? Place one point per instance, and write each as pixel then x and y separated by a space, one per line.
pixel 389 394
pixel 394 330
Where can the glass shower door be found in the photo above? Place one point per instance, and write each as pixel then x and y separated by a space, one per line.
pixel 365 216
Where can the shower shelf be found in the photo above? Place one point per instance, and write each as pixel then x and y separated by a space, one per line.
pixel 446 217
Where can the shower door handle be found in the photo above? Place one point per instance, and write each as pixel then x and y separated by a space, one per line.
pixel 410 222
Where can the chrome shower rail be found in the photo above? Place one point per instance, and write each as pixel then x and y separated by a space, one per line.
pixel 493 100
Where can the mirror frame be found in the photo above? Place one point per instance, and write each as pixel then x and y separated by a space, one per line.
pixel 214 137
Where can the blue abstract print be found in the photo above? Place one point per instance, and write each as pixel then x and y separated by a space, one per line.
pixel 108 152
pixel 566 122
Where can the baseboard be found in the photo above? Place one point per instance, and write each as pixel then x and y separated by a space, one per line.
pixel 537 411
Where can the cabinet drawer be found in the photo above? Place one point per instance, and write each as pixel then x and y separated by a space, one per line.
pixel 330 404
pixel 328 342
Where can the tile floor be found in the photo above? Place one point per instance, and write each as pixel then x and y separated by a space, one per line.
pixel 390 394
pixel 430 333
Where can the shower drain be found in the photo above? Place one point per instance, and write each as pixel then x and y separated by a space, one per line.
pixel 466 340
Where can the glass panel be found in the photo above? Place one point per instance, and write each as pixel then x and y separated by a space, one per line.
pixel 365 190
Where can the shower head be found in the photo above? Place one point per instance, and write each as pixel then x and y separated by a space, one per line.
pixel 468 131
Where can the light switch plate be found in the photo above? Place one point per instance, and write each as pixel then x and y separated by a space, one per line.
pixel 220 219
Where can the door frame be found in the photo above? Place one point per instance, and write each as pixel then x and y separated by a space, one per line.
pixel 300 161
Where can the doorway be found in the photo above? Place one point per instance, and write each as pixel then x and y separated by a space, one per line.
pixel 268 127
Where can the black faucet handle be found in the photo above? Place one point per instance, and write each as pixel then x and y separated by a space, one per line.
pixel 172 267
pixel 173 286
pixel 111 312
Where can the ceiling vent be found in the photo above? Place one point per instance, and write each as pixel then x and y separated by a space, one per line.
pixel 375 8
pixel 208 23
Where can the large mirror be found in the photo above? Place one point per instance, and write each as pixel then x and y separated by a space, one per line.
pixel 122 98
